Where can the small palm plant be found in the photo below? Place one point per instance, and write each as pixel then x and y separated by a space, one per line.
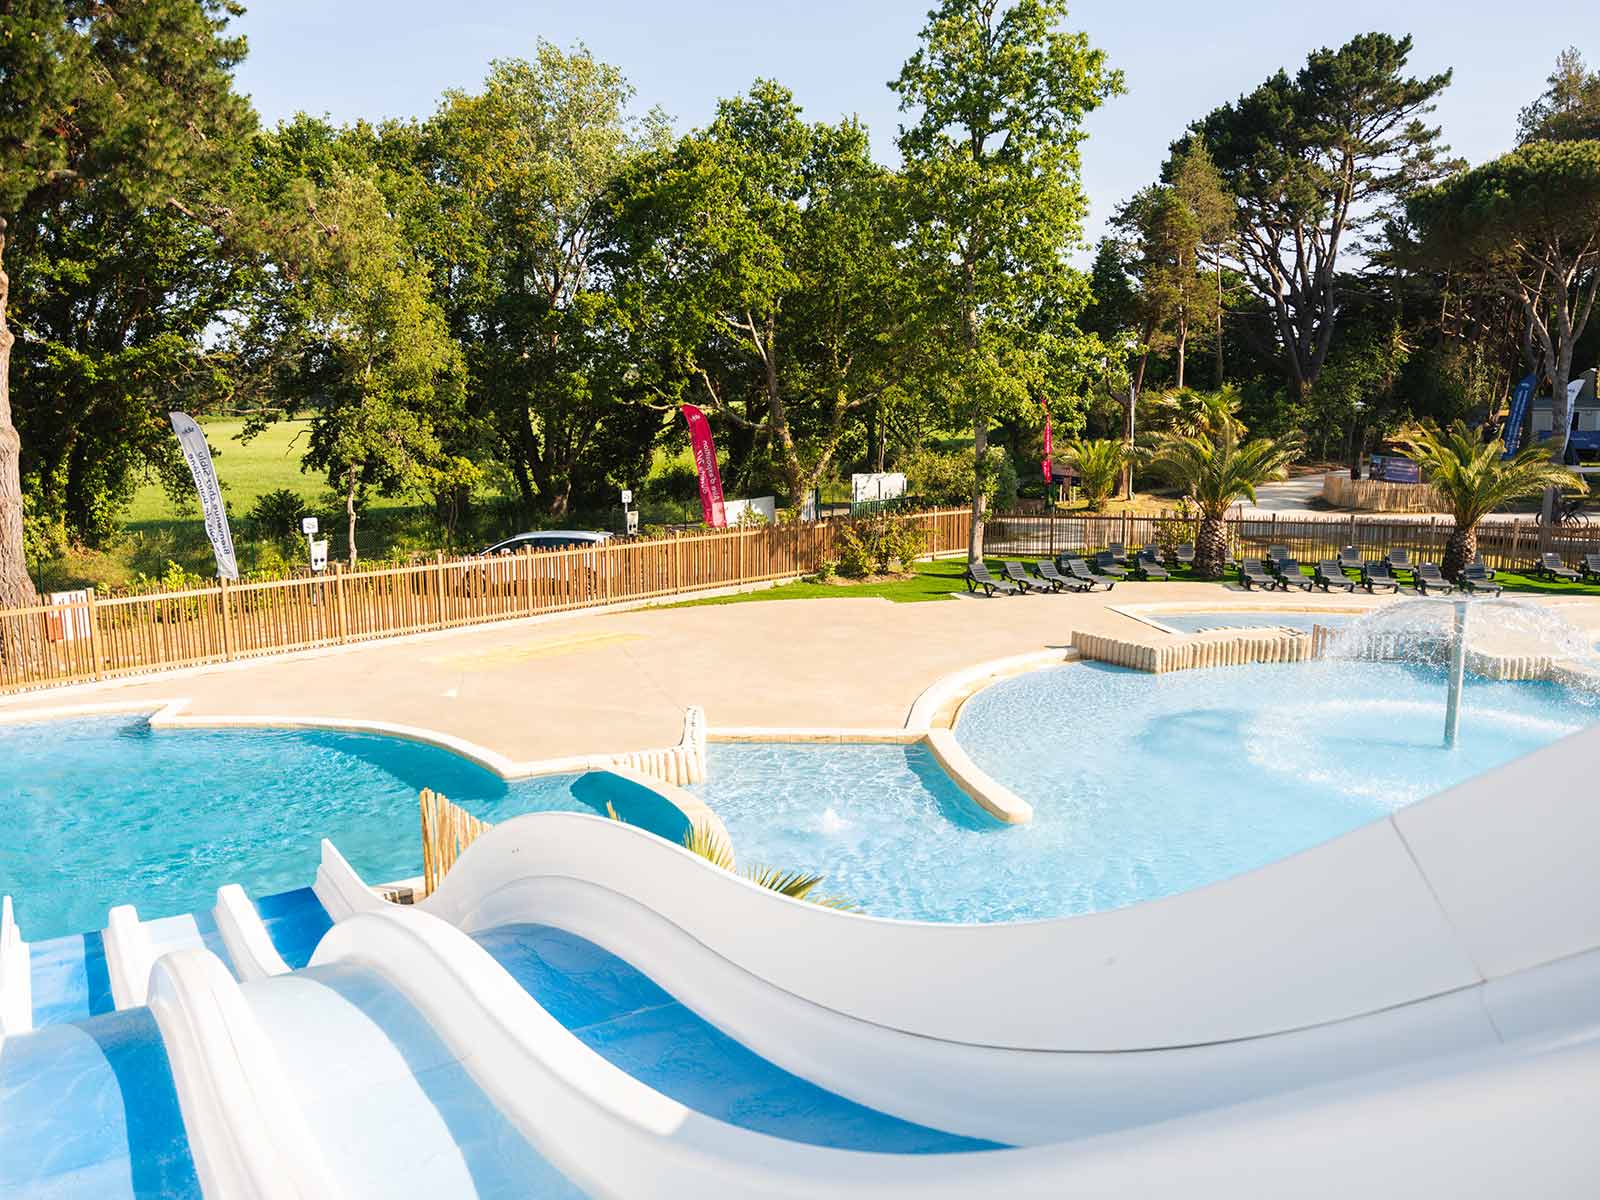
pixel 1099 465
pixel 1215 471
pixel 1473 478
pixel 710 845
pixel 1205 414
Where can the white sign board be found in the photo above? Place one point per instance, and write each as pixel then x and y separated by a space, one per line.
pixel 627 497
pixel 308 526
pixel 808 510
pixel 319 555
pixel 764 506
pixel 873 489
pixel 73 624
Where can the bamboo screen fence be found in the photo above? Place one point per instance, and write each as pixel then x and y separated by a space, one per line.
pixel 94 638
pixel 447 831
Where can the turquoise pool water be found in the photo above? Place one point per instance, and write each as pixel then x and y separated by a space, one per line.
pixel 1142 785
pixel 109 811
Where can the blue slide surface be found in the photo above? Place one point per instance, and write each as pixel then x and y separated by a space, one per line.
pixel 642 1029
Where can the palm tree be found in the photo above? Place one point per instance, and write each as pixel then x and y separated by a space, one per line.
pixel 1205 414
pixel 1099 465
pixel 1474 479
pixel 1215 471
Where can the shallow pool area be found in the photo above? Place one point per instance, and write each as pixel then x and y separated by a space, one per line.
pixel 107 810
pixel 1199 622
pixel 1142 785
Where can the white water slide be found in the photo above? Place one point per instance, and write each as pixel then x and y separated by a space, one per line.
pixel 1411 1009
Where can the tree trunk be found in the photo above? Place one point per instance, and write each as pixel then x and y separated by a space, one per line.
pixel 1211 547
pixel 980 445
pixel 1219 320
pixel 1183 344
pixel 1460 550
pixel 350 512
pixel 16 587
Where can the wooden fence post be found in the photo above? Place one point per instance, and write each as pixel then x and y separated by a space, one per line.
pixel 94 634
pixel 438 588
pixel 227 622
pixel 338 602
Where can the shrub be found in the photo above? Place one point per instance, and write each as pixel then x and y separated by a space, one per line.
pixel 944 477
pixel 877 544
pixel 275 516
pixel 1099 466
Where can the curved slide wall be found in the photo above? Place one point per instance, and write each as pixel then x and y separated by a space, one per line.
pixel 1461 923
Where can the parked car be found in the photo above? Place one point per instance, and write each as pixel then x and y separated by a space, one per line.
pixel 549 539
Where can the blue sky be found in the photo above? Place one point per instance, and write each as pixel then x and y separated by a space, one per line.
pixel 378 58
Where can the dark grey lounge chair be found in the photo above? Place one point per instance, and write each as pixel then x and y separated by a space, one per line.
pixel 1106 563
pixel 1292 576
pixel 1276 554
pixel 1051 574
pixel 1488 571
pixel 1117 551
pixel 978 574
pixel 1254 573
pixel 1475 579
pixel 1551 567
pixel 1183 556
pixel 1013 572
pixel 1350 560
pixel 1377 575
pixel 1331 575
pixel 1428 579
pixel 1590 569
pixel 1080 570
pixel 1397 561
pixel 1147 566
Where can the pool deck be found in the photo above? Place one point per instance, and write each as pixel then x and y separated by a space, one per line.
pixel 616 682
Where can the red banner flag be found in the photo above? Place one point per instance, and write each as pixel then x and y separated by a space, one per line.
pixel 705 461
pixel 1049 445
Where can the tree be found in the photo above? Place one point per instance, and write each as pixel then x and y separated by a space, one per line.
pixel 115 120
pixel 1474 479
pixel 1569 108
pixel 1216 471
pixel 762 250
pixel 999 94
pixel 348 327
pixel 1098 464
pixel 1528 223
pixel 527 169
pixel 1202 196
pixel 1312 162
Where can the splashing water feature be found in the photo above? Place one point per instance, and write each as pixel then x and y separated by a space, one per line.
pixel 1502 639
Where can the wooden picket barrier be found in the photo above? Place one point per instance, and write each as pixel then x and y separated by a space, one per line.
pixel 447 831
pixel 102 637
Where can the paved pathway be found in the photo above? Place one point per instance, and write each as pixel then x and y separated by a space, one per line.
pixel 618 682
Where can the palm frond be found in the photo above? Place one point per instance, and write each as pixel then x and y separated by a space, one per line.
pixel 795 884
pixel 710 845
pixel 1473 478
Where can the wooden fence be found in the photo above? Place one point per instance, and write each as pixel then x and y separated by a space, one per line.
pixel 1376 495
pixel 93 638
pixel 1504 544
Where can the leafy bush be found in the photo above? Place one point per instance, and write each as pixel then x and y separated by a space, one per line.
pixel 944 477
pixel 878 544
pixel 275 516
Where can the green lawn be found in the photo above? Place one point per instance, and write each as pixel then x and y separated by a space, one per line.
pixel 247 470
pixel 929 581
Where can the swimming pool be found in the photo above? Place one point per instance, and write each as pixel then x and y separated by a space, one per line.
pixel 1195 622
pixel 1142 785
pixel 109 811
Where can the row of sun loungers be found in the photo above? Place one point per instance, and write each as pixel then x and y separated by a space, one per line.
pixel 1066 574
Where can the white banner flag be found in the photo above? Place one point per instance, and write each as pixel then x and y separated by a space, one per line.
pixel 198 455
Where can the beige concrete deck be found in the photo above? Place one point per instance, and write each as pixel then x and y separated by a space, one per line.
pixel 618 682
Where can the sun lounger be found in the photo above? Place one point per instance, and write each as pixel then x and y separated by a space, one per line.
pixel 1551 567
pixel 978 577
pixel 1398 561
pixel 1080 570
pixel 1350 560
pixel 1475 579
pixel 1106 563
pixel 1051 574
pixel 1254 573
pixel 1183 556
pixel 1331 575
pixel 1013 572
pixel 1477 561
pixel 1590 569
pixel 1377 575
pixel 1289 572
pixel 1276 554
pixel 1428 579
pixel 1147 566
pixel 1117 551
